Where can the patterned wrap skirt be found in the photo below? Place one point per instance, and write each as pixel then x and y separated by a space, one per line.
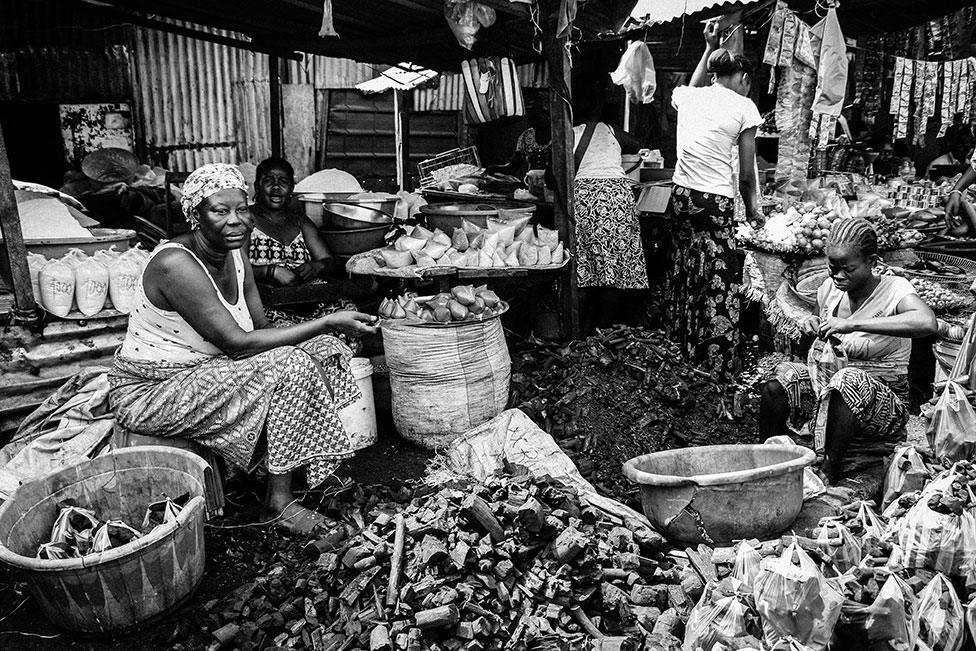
pixel 282 317
pixel 703 302
pixel 284 402
pixel 878 405
pixel 609 252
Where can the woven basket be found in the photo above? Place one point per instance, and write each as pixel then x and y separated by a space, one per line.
pixel 124 586
pixel 444 381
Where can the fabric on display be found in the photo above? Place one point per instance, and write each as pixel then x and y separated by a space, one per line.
pixel 327 28
pixel 636 73
pixel 828 41
pixel 207 180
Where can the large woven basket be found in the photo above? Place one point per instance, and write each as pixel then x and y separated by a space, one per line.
pixel 128 585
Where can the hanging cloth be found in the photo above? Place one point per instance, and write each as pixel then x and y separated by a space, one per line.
pixel 831 77
pixel 327 29
pixel 567 16
pixel 636 74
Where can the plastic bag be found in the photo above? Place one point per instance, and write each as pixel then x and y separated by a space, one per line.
pixel 57 281
pixel 891 616
pixel 713 625
pixel 74 526
pixel 841 548
pixel 906 473
pixel 36 262
pixel 795 600
pixel 466 18
pixel 747 564
pixel 113 533
pixel 812 484
pixel 123 277
pixel 939 617
pixel 870 523
pixel 91 286
pixel 951 430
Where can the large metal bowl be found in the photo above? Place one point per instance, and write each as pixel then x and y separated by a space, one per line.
pixel 344 216
pixel 346 242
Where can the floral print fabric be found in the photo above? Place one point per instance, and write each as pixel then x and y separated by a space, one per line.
pixel 703 287
pixel 609 252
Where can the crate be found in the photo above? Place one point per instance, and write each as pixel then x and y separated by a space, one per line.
pixel 429 168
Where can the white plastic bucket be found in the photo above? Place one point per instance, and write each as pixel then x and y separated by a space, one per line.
pixel 359 418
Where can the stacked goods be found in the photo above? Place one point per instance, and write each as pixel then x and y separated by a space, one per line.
pixel 77 531
pixel 937 297
pixel 516 563
pixel 77 281
pixel 621 393
pixel 503 244
pixel 462 304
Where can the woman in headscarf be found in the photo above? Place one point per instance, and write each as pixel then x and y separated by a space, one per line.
pixel 855 382
pixel 716 120
pixel 199 360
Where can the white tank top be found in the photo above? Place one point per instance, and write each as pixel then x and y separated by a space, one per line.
pixel 156 335
pixel 601 160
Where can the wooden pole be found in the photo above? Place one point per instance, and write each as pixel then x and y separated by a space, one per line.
pixel 563 168
pixel 402 105
pixel 25 309
pixel 274 87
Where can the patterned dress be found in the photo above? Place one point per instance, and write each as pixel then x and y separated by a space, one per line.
pixel 609 252
pixel 703 299
pixel 265 250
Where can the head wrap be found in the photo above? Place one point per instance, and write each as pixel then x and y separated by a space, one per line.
pixel 205 181
pixel 855 232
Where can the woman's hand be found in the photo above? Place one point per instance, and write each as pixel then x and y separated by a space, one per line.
pixel 810 325
pixel 952 205
pixel 836 326
pixel 353 323
pixel 311 270
pixel 283 276
pixel 713 34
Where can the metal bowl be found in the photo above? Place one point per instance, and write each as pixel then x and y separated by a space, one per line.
pixel 344 216
pixel 345 242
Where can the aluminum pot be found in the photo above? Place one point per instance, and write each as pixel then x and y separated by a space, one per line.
pixel 347 216
pixel 345 242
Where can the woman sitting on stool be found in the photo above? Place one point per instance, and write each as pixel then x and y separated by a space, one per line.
pixel 855 383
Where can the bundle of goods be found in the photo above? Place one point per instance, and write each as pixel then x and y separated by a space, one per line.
pixel 503 244
pixel 87 284
pixel 77 531
pixel 920 195
pixel 802 228
pixel 515 562
pixel 462 304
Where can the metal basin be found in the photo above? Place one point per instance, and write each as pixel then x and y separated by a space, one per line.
pixel 346 242
pixel 344 216
pixel 721 493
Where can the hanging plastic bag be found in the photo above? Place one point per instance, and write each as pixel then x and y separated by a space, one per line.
pixel 951 429
pixel 57 281
pixel 939 617
pixel 466 18
pixel 906 473
pixel 729 620
pixel 747 564
pixel 795 600
pixel 841 548
pixel 636 74
pixel 91 286
pixel 891 616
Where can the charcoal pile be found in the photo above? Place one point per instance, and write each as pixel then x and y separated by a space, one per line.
pixel 623 392
pixel 514 563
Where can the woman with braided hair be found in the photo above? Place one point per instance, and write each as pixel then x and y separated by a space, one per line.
pixel 855 382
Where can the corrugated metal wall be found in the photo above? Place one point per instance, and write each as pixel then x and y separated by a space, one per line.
pixel 200 102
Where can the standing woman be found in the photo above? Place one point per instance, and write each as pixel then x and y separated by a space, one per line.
pixel 610 256
pixel 713 120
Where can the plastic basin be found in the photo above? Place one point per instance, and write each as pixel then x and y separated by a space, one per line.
pixel 721 493
pixel 128 585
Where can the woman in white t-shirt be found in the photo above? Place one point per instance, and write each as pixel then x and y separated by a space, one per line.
pixel 715 121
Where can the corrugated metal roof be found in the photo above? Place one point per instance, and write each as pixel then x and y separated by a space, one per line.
pixel 653 12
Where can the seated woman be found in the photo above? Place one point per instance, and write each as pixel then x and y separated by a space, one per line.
pixel 857 368
pixel 201 361
pixel 285 247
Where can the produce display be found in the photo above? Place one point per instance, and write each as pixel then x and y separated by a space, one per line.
pixel 938 297
pixel 88 284
pixel 927 267
pixel 503 244
pixel 800 229
pixel 463 303
pixel 77 531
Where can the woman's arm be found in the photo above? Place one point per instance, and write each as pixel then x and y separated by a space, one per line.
pixel 322 259
pixel 700 76
pixel 747 172
pixel 185 287
pixel 914 319
pixel 251 295
pixel 954 200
